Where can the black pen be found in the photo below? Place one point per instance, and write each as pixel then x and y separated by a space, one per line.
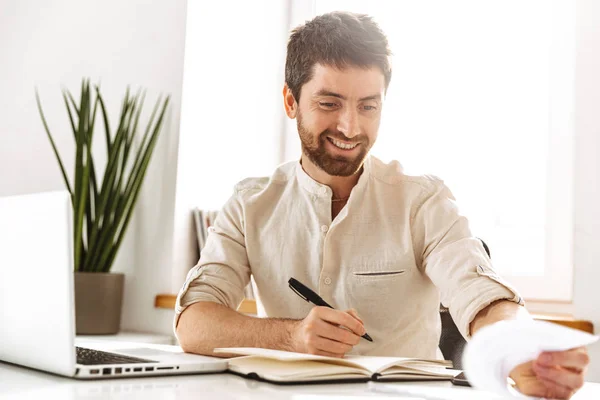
pixel 314 298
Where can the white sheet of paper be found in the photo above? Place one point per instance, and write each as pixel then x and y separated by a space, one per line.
pixel 496 349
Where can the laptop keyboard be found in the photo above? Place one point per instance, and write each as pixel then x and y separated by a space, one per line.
pixel 97 357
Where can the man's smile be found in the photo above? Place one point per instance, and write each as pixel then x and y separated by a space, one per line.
pixel 342 145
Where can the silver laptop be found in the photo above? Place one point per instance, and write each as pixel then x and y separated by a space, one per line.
pixel 37 312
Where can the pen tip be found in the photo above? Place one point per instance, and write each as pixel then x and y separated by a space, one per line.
pixel 366 336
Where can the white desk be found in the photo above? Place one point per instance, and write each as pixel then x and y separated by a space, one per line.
pixel 18 383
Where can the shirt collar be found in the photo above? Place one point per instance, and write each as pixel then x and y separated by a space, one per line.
pixel 321 190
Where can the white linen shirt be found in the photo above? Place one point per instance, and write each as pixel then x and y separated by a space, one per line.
pixel 396 248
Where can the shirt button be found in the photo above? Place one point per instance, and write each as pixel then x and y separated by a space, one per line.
pixel 327 281
pixel 324 228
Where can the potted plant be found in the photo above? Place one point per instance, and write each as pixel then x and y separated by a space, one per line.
pixel 103 205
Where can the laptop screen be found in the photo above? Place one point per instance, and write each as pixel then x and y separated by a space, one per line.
pixel 36 282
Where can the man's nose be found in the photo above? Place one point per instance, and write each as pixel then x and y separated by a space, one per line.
pixel 348 123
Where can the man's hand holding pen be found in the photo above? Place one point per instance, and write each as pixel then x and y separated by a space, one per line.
pixel 327 332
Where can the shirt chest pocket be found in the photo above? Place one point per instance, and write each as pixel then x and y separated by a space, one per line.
pixel 386 268
pixel 375 274
pixel 378 292
pixel 370 285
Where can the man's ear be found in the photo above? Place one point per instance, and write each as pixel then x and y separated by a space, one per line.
pixel 289 102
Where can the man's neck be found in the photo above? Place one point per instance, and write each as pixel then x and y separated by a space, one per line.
pixel 340 185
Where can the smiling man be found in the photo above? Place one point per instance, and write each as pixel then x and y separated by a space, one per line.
pixel 385 246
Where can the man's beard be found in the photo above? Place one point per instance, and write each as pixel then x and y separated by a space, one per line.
pixel 335 165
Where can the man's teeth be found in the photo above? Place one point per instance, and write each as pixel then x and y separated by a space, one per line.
pixel 342 145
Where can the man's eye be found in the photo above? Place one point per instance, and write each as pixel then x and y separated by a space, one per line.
pixel 369 108
pixel 327 105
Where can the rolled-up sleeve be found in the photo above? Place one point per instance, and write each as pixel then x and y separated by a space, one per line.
pixel 223 270
pixel 454 260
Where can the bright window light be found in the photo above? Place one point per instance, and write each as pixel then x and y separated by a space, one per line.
pixel 481 96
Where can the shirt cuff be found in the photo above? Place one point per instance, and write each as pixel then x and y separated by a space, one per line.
pixel 179 309
pixel 186 299
pixel 487 288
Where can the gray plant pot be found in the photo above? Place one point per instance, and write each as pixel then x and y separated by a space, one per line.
pixel 98 301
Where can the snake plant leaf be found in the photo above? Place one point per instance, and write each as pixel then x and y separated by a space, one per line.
pixel 82 173
pixel 68 107
pixel 131 197
pixel 106 191
pixel 60 163
pixel 103 205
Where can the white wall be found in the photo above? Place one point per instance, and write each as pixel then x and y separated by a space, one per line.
pixel 587 171
pixel 50 44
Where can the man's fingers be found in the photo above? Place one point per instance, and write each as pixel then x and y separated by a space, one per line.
pixel 341 318
pixel 559 376
pixel 354 313
pixel 333 332
pixel 554 391
pixel 576 359
pixel 542 388
pixel 532 387
pixel 328 345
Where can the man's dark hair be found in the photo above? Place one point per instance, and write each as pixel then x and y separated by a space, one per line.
pixel 338 39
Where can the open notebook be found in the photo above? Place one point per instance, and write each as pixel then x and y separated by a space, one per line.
pixel 287 367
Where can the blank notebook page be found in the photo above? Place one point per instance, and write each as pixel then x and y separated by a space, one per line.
pixel 268 368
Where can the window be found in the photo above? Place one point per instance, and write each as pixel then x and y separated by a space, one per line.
pixel 232 111
pixel 482 96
